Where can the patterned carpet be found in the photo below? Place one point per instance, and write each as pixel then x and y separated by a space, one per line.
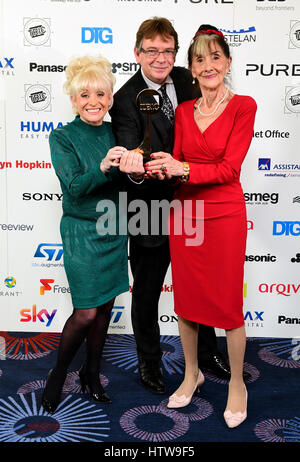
pixel 137 415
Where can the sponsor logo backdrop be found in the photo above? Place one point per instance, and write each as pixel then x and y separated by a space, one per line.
pixel 38 37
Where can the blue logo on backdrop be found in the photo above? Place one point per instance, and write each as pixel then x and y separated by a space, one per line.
pixel 264 163
pixel 49 251
pixel 116 313
pixel 6 62
pixel 96 35
pixel 287 228
pixel 254 316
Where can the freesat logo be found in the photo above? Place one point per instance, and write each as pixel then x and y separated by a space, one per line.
pixel 49 251
pixel 45 285
pixel 29 314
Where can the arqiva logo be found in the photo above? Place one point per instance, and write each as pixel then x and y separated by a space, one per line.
pixel 31 314
pixel 280 289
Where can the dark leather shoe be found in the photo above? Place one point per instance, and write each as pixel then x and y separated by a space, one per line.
pixel 151 377
pixel 218 365
pixel 96 390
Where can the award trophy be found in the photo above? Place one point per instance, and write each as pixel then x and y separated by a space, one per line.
pixel 148 106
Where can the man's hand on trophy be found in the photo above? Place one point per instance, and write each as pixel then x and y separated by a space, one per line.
pixel 131 163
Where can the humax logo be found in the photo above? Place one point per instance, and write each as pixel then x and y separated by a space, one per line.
pixel 287 228
pixel 96 35
pixel 31 315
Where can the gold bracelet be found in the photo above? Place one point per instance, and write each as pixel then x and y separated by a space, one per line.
pixel 186 172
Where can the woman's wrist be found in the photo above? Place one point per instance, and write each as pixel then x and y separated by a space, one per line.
pixel 103 168
pixel 186 172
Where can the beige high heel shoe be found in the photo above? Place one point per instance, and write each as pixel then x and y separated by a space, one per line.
pixel 234 419
pixel 176 401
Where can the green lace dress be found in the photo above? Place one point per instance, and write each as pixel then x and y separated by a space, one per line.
pixel 96 263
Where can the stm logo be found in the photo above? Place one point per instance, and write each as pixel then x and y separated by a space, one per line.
pixel 124 68
pixel 49 251
pixel 115 317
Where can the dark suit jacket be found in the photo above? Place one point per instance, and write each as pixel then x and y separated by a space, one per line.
pixel 128 125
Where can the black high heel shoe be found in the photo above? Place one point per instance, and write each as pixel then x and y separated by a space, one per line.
pixel 50 398
pixel 98 394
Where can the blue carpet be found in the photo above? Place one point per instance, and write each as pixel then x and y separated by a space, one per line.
pixel 137 415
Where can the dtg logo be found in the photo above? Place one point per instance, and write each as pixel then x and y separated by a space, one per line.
pixel 45 285
pixel 96 34
pixel 288 228
pixel 28 315
pixel 49 251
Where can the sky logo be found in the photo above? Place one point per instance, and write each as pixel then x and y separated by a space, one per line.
pixel 264 163
pixel 45 285
pixel 49 251
pixel 28 314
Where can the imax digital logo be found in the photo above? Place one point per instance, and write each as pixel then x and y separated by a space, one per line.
pixel 6 63
pixel 49 251
pixel 264 163
pixel 287 228
pixel 256 316
pixel 96 35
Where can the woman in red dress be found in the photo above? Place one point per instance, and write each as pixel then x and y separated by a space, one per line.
pixel 212 136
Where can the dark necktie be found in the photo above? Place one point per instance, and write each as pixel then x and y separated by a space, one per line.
pixel 167 106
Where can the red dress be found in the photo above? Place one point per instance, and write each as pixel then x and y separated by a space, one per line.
pixel 208 276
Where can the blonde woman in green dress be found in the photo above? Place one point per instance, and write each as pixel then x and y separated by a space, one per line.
pixel 86 161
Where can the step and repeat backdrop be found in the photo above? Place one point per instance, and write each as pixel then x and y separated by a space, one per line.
pixel 37 39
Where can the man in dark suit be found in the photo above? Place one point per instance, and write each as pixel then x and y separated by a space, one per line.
pixel 155 49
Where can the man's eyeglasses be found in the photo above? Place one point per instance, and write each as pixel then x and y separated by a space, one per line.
pixel 154 53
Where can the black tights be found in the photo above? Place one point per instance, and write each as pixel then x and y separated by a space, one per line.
pixel 90 324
